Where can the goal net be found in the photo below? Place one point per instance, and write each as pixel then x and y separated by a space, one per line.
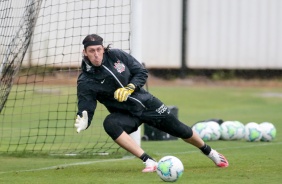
pixel 41 52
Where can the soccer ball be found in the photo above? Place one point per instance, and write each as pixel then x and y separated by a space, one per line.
pixel 240 132
pixel 228 130
pixel 170 168
pixel 253 132
pixel 203 130
pixel 208 131
pixel 268 131
pixel 215 130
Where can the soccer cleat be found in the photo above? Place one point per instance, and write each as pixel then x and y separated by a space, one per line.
pixel 151 166
pixel 218 159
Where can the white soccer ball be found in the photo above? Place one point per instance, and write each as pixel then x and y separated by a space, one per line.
pixel 228 130
pixel 253 132
pixel 170 168
pixel 268 131
pixel 215 129
pixel 203 130
pixel 240 132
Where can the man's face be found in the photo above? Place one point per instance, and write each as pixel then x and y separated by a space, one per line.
pixel 94 54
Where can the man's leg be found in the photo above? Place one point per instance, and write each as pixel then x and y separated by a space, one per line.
pixel 195 140
pixel 216 157
pixel 119 126
pixel 126 142
pixel 168 123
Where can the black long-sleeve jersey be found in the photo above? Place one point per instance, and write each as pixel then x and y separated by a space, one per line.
pixel 99 84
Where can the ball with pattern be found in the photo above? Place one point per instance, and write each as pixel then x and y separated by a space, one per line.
pixel 252 132
pixel 203 130
pixel 240 132
pixel 268 131
pixel 228 130
pixel 215 130
pixel 170 168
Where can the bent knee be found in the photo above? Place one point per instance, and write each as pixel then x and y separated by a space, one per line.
pixel 112 128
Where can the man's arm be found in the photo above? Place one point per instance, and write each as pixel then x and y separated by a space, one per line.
pixel 86 101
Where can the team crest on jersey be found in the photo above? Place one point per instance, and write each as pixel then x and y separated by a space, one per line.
pixel 119 66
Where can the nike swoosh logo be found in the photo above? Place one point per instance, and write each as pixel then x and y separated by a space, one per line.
pixel 102 82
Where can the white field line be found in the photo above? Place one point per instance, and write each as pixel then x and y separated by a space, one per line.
pixel 68 165
pixel 126 158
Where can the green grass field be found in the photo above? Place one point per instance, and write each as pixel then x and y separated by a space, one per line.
pixel 250 162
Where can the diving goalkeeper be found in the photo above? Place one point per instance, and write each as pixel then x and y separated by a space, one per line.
pixel 115 79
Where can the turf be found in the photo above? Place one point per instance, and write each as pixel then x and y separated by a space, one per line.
pixel 250 162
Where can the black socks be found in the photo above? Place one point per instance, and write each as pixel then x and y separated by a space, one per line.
pixel 206 149
pixel 144 157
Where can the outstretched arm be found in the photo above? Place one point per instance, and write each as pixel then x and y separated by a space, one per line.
pixel 86 101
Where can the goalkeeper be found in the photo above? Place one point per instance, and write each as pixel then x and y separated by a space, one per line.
pixel 115 79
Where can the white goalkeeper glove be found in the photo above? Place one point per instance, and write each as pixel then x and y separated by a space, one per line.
pixel 81 123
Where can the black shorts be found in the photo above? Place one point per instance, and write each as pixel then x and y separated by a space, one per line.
pixel 157 115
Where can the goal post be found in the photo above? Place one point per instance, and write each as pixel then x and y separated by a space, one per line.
pixel 136 45
pixel 39 102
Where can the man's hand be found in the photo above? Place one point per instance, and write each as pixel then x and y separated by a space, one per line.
pixel 81 123
pixel 121 94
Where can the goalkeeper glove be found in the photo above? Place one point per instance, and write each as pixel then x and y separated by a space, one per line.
pixel 81 123
pixel 121 94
